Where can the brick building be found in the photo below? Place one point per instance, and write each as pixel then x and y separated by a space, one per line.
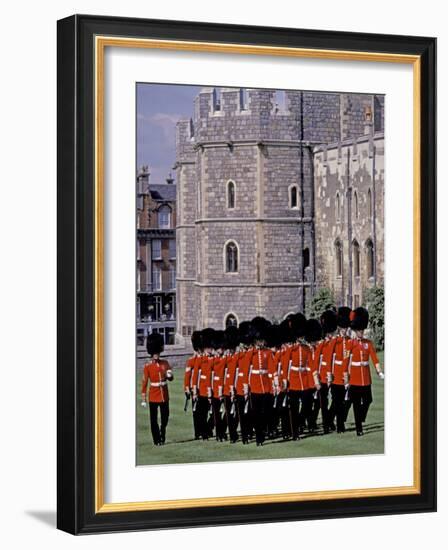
pixel 156 258
pixel 276 197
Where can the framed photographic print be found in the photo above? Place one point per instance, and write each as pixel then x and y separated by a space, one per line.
pixel 246 274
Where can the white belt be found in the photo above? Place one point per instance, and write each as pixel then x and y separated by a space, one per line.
pixel 188 369
pixel 336 362
pixel 323 364
pixel 227 375
pixel 241 374
pixel 300 369
pixel 360 364
pixel 216 378
pixel 259 371
pixel 157 384
pixel 203 377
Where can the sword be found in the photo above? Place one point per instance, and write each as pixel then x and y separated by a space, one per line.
pixel 187 398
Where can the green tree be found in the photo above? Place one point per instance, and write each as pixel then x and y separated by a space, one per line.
pixel 374 302
pixel 322 300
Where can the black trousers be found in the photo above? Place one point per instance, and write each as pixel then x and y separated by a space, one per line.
pixel 321 404
pixel 218 419
pixel 272 414
pixel 196 419
pixel 300 405
pixel 339 406
pixel 259 402
pixel 158 432
pixel 244 417
pixel 361 398
pixel 285 418
pixel 204 419
pixel 231 418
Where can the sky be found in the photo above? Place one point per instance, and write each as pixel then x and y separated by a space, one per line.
pixel 159 107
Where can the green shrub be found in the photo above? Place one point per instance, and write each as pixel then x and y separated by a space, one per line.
pixel 322 300
pixel 374 302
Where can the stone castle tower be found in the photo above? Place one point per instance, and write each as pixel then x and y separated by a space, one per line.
pixel 250 206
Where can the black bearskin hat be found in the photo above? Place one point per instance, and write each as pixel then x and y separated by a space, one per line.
pixel 208 338
pixel 313 331
pixel 154 343
pixel 196 340
pixel 329 321
pixel 288 336
pixel 359 318
pixel 274 336
pixel 246 333
pixel 344 317
pixel 232 337
pixel 260 327
pixel 218 340
pixel 297 323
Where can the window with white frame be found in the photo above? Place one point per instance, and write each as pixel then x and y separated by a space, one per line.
pixel 164 217
pixel 172 277
pixel 156 278
pixel 172 248
pixel 156 249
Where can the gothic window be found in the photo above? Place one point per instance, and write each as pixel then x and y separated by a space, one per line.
pixel 230 194
pixel 355 205
pixel 369 203
pixel 370 259
pixel 338 258
pixel 306 258
pixel 231 257
pixel 338 207
pixel 356 258
pixel 293 196
pixel 164 217
pixel 231 320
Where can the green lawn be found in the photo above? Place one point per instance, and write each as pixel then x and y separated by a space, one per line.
pixel 180 446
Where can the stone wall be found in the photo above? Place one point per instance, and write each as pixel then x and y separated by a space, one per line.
pixel 267 142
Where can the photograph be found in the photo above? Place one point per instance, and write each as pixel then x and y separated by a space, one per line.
pixel 260 273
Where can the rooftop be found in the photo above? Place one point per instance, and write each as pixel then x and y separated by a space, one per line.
pixel 163 191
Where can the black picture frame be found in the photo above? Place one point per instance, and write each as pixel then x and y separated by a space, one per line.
pixel 76 286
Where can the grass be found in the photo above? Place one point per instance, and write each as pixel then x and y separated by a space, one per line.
pixel 180 446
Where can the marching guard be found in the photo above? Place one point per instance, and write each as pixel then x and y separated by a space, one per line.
pixel 203 386
pixel 241 376
pixel 358 367
pixel 218 371
pixel 156 374
pixel 231 344
pixel 191 373
pixel 329 324
pixel 340 402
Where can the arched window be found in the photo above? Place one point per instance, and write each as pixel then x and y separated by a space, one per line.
pixel 356 258
pixel 338 258
pixel 306 257
pixel 231 320
pixel 338 207
pixel 293 196
pixel 231 257
pixel 230 194
pixel 164 217
pixel 370 258
pixel 369 203
pixel 355 205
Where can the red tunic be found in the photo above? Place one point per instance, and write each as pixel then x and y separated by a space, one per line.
pixel 325 367
pixel 298 373
pixel 274 368
pixel 342 350
pixel 205 375
pixel 258 373
pixel 230 372
pixel 244 360
pixel 189 369
pixel 218 367
pixel 155 374
pixel 358 362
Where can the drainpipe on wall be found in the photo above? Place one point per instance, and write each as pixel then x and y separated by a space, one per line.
pixel 349 233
